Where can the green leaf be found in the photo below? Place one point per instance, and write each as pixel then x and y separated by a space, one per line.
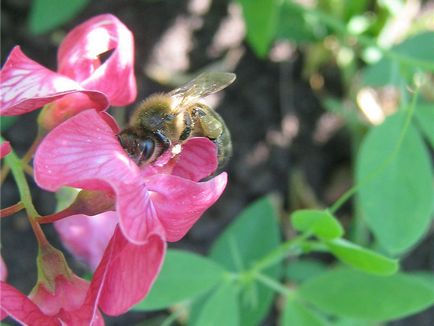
pixel 221 308
pixel 295 313
pixel 302 270
pixel 361 258
pixel 396 194
pixel 261 18
pixel 390 71
pixel 356 294
pixel 250 237
pixel 320 223
pixel 184 276
pixel 425 119
pixel 46 15
pixel 294 26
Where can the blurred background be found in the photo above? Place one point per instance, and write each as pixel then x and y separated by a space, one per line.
pixel 306 92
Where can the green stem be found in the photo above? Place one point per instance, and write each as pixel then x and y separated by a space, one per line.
pixel 280 252
pixel 272 284
pixel 16 166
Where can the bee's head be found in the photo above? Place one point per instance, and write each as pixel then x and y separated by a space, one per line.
pixel 139 149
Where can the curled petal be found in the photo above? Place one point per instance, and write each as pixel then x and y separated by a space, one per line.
pixel 97 230
pixel 82 152
pixel 21 308
pixel 179 202
pixel 81 54
pixel 5 149
pixel 197 160
pixel 26 86
pixel 126 273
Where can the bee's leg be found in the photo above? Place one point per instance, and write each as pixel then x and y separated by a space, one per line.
pixel 208 122
pixel 188 126
pixel 163 140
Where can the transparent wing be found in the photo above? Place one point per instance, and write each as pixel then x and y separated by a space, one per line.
pixel 203 85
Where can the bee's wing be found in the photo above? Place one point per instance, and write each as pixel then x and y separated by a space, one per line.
pixel 203 85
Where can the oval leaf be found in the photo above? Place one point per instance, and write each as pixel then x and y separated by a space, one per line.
pixel 295 313
pixel 356 294
pixel 221 308
pixel 361 258
pixel 396 200
pixel 320 223
pixel 249 238
pixel 184 275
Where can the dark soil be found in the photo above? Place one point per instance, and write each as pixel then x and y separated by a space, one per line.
pixel 260 109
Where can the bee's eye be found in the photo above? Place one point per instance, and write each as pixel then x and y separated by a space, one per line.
pixel 146 148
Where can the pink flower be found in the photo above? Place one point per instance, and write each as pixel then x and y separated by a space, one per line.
pixel 70 300
pixel 154 204
pixel 83 80
pixel 97 230
pixel 84 152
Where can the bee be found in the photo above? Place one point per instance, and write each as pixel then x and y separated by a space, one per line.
pixel 164 120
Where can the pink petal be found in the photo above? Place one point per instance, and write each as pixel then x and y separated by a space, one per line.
pixel 69 294
pixel 79 58
pixel 26 86
pixel 97 230
pixel 197 160
pixel 82 152
pixel 5 149
pixel 22 309
pixel 179 202
pixel 126 273
pixel 137 216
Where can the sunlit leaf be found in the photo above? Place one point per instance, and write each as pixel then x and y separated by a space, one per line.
pixel 356 294
pixel 320 223
pixel 250 237
pixel 361 258
pixel 184 276
pixel 396 194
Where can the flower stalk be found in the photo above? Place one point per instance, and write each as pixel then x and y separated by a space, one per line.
pixel 16 166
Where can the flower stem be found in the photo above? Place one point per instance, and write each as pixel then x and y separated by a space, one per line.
pixel 11 209
pixel 16 166
pixel 56 216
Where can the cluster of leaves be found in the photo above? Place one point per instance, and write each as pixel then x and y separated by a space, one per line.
pixel 237 282
pixel 393 167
